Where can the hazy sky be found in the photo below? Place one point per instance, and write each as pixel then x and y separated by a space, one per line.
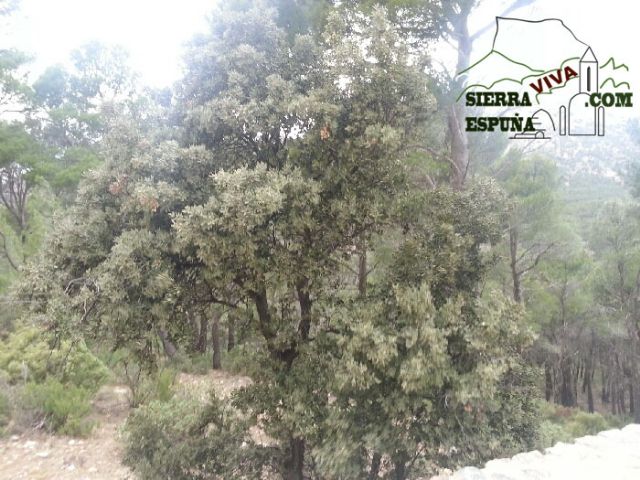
pixel 154 30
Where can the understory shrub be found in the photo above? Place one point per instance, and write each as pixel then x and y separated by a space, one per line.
pixel 145 387
pixel 551 433
pixel 584 423
pixel 5 412
pixel 182 439
pixel 563 424
pixel 61 408
pixel 48 382
pixel 28 355
pixel 195 364
pixel 147 381
pixel 244 359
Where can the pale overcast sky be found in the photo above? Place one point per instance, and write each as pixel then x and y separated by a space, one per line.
pixel 155 30
pixel 152 30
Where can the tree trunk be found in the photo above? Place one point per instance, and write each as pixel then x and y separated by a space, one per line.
pixel 605 390
pixel 216 342
pixel 515 275
pixel 400 470
pixel 548 382
pixel 576 375
pixel 456 128
pixel 567 385
pixel 362 269
pixel 202 335
pixel 589 382
pixel 169 348
pixel 231 338
pixel 590 403
pixel 636 404
pixel 375 466
pixel 621 402
pixel 295 464
pixel 304 299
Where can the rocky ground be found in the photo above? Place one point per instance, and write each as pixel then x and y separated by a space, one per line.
pixel 613 454
pixel 37 456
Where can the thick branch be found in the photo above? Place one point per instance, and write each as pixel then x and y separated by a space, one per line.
pixel 5 249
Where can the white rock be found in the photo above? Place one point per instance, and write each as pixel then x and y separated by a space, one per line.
pixel 591 441
pixel 498 464
pixel 611 434
pixel 43 454
pixel 469 473
pixel 632 429
pixel 528 457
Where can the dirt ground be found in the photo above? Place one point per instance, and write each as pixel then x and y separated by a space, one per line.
pixel 36 455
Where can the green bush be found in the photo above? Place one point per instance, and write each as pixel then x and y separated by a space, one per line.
pixel 61 408
pixel 196 364
pixel 145 387
pixel 27 355
pixel 184 440
pixel 564 424
pixel 516 422
pixel 241 360
pixel 583 423
pixel 244 359
pixel 158 386
pixel 5 412
pixel 551 433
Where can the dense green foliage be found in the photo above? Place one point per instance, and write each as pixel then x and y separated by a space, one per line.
pixel 183 439
pixel 562 424
pixel 401 296
pixel 27 355
pixel 48 382
pixel 61 408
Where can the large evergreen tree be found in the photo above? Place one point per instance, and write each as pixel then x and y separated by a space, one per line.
pixel 290 167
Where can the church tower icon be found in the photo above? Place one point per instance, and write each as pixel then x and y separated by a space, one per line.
pixel 582 118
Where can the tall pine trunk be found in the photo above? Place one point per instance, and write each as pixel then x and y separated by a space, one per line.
pixel 605 389
pixel 548 382
pixel 636 403
pixel 589 382
pixel 456 129
pixel 216 342
pixel 515 275
pixel 567 384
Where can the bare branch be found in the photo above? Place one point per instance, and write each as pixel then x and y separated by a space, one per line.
pixel 537 259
